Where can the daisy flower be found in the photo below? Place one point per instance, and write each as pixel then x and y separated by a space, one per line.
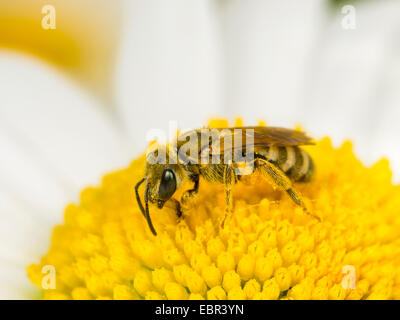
pixel 76 103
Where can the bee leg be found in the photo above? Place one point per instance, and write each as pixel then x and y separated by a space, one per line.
pixel 178 208
pixel 229 180
pixel 188 194
pixel 282 182
pixel 174 204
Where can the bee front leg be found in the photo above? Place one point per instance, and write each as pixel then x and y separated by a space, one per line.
pixel 188 194
pixel 177 207
pixel 229 180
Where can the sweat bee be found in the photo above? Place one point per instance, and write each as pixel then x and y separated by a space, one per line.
pixel 275 151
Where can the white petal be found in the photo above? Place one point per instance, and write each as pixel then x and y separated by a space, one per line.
pixel 54 140
pixel 385 141
pixel 24 238
pixel 169 68
pixel 350 86
pixel 28 177
pixel 268 47
pixel 73 132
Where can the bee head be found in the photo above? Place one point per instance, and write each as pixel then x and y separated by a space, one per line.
pixel 162 181
pixel 162 178
pixel 163 174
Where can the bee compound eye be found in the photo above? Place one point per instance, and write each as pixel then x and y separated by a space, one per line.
pixel 167 185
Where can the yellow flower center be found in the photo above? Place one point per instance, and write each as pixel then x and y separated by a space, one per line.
pixel 270 249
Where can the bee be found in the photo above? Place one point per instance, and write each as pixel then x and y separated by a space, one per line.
pixel 276 154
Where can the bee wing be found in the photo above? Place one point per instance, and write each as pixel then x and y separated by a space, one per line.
pixel 259 137
pixel 263 137
pixel 275 136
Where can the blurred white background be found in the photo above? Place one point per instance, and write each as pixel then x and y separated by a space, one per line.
pixel 77 101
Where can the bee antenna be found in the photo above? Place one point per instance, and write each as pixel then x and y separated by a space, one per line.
pixel 147 214
pixel 138 197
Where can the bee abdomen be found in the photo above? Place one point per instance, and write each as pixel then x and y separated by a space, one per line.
pixel 303 168
pixel 293 161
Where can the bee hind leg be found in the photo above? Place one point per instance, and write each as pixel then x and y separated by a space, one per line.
pixel 282 182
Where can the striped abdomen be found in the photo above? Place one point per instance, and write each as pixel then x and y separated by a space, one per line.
pixel 293 161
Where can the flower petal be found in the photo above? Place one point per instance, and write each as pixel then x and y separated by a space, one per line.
pixel 268 47
pixel 350 80
pixel 54 140
pixel 169 66
pixel 59 121
pixel 24 236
